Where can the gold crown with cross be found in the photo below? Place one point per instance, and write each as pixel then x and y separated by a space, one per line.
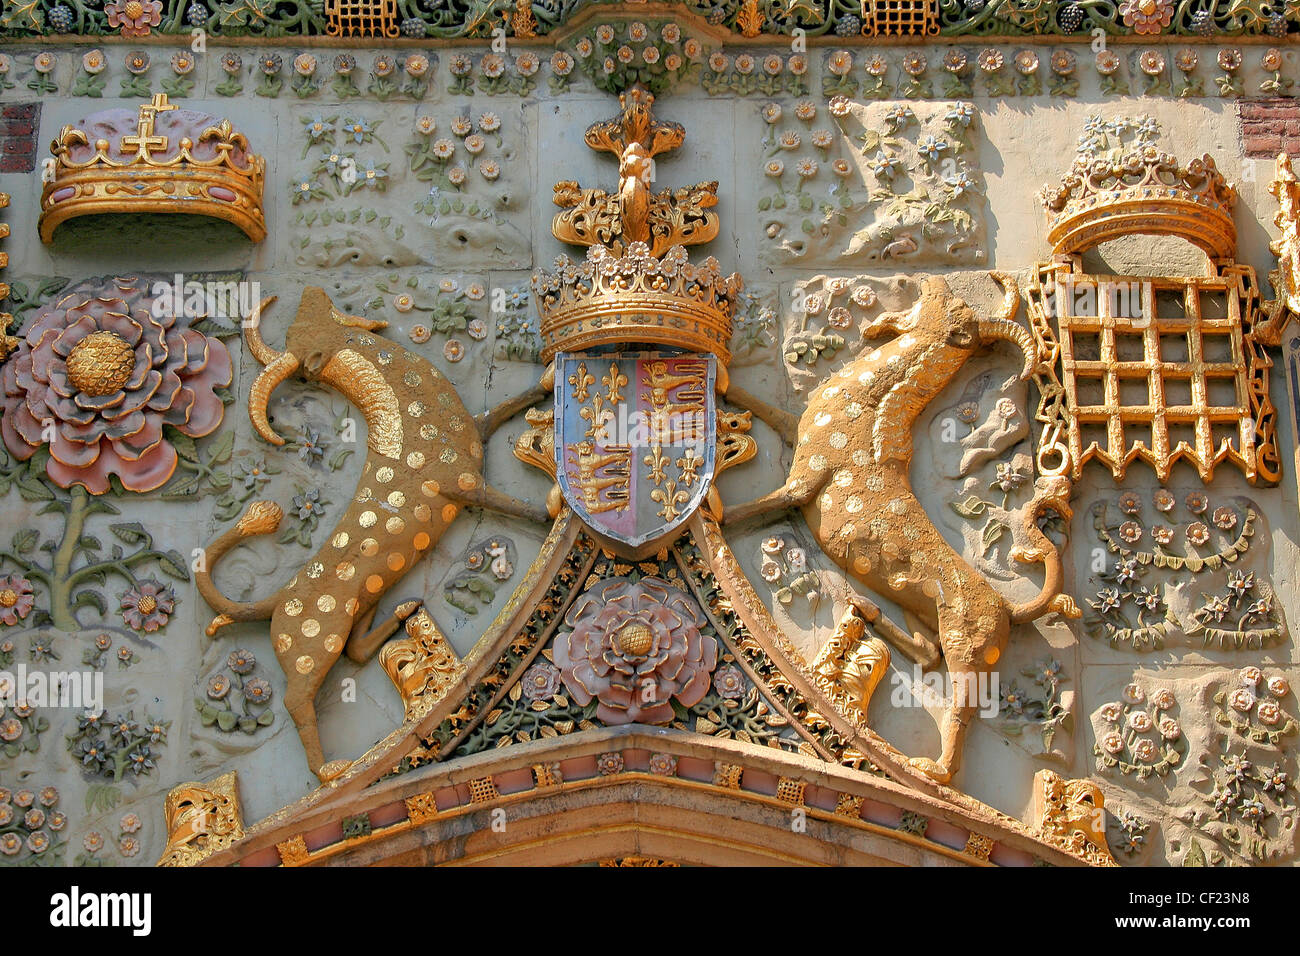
pixel 637 283
pixel 163 160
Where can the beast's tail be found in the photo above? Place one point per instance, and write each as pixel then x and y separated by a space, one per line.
pixel 261 517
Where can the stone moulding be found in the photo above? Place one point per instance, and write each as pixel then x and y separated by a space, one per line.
pixel 161 160
pixel 418 817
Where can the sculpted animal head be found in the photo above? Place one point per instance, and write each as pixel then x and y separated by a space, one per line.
pixel 941 316
pixel 312 346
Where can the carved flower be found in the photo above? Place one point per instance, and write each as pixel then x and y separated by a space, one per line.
pixel 136 63
pixel 232 63
pixel 877 65
pixel 1107 62
pixel 805 110
pixel 11 844
pixel 719 62
pixel 1251 675
pixel 1131 532
pixel 1133 694
pixel 1197 533
pixel 1162 534
pixel 637 31
pixel 492 65
pixel 609 764
pixel 605 34
pixel 10 729
pixel 774 168
pixel 772 65
pixel 1163 699
pixel 443 148
pixel 108 374
pixel 147 606
pixel 489 122
pixel 94 62
pixel 1229 60
pixel 798 64
pixel 1163 500
pixel 218 686
pixel 1278 686
pixel 1271 60
pixel 1027 62
pixel 453 351
pixel 541 681
pixel 1186 59
pixel 490 169
pixel 1147 17
pixel 44 62
pixel 745 64
pixel 16 598
pixel 773 545
pixel 1146 751
pixel 1169 728
pixel 1064 62
pixel 344 64
pixel 561 63
pixel 1111 712
pixel 475 144
pixel 1225 519
pixel 664 765
pixel 634 647
pixel 729 682
pixel 807 168
pixel 1269 712
pixel 527 64
pixel 1242 700
pixel 991 60
pixel 134 17
pixel 271 63
pixel 1151 62
pixel 914 64
pixel 460 65
pixel 419 334
pixel 954 61
pixel 304 64
pixel 789 140
pixel 840 62
pixel 1139 721
pixel 426 125
pixel 417 65
pixel 1112 742
pixel 93 841
pixel 241 661
pixel 257 690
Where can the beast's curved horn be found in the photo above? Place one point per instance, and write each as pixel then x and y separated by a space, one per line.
pixel 280 367
pixel 1003 325
pixel 253 333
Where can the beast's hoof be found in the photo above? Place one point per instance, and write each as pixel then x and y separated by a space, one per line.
pixel 406 609
pixel 333 770
pixel 931 769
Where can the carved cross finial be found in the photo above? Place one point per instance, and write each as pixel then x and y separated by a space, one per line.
pixel 144 141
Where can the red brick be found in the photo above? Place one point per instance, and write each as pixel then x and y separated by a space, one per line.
pixel 16 127
pixel 13 163
pixel 1263 145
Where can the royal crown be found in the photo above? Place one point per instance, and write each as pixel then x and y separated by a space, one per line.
pixel 637 284
pixel 1138 188
pixel 161 160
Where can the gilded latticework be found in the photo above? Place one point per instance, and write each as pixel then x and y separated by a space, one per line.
pixel 361 18
pixel 900 18
pixel 1156 369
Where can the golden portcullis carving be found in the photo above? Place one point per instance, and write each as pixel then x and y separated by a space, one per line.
pixel 851 478
pixel 425 462
pixel 202 818
pixel 161 160
pixel 1154 368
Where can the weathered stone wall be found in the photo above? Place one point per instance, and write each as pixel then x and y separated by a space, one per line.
pixel 449 271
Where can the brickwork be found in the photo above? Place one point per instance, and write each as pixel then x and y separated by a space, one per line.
pixel 1269 127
